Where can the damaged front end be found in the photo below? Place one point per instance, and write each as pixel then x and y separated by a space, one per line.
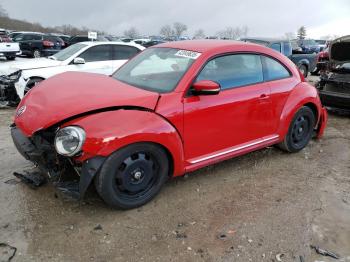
pixel 8 93
pixel 40 149
pixel 334 84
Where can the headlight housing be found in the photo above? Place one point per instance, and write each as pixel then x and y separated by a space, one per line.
pixel 69 140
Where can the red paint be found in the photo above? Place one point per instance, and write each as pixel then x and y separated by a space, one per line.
pixel 196 130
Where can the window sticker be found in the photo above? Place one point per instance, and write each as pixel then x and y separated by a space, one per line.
pixel 187 54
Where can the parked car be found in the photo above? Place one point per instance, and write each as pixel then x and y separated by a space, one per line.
pixel 141 41
pixel 322 44
pixel 95 57
pixel 309 46
pixel 153 42
pixel 84 38
pixel 8 49
pixel 322 61
pixel 130 132
pixel 65 39
pixel 37 45
pixel 334 85
pixel 305 62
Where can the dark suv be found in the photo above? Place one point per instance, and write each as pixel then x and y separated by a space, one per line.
pixel 37 45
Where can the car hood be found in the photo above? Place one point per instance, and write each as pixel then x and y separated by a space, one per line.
pixel 33 64
pixel 339 50
pixel 71 94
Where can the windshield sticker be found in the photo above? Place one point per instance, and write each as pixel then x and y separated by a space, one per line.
pixel 188 54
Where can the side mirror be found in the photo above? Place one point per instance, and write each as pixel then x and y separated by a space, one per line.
pixel 206 87
pixel 78 61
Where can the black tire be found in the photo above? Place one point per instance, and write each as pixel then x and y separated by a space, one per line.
pixel 36 53
pixel 10 58
pixel 133 175
pixel 300 131
pixel 303 69
pixel 31 83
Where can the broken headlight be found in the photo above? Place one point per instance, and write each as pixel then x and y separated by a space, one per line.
pixel 15 75
pixel 69 140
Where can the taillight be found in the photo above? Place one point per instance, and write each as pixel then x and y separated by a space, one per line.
pixel 48 43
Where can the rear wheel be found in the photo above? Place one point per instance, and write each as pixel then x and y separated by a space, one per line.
pixel 303 70
pixel 133 175
pixel 300 131
pixel 10 58
pixel 36 53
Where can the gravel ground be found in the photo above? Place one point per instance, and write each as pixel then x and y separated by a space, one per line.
pixel 250 208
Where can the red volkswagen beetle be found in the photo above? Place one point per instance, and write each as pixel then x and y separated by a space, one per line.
pixel 172 109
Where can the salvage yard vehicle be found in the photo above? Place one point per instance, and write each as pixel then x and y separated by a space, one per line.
pixel 309 46
pixel 172 109
pixel 8 48
pixel 334 84
pixel 305 62
pixel 94 57
pixel 37 45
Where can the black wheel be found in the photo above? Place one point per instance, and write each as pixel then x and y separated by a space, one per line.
pixel 300 131
pixel 132 176
pixel 11 58
pixel 36 53
pixel 303 70
pixel 31 83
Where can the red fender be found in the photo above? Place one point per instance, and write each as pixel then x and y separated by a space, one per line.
pixel 301 95
pixel 109 131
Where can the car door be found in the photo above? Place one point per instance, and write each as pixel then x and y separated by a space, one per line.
pixel 121 54
pixel 239 114
pixel 98 59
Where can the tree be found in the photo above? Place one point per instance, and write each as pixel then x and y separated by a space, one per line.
pixel 131 32
pixel 179 29
pixel 302 33
pixel 166 31
pixel 289 35
pixel 233 33
pixel 3 12
pixel 199 34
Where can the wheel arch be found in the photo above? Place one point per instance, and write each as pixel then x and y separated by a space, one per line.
pixel 107 132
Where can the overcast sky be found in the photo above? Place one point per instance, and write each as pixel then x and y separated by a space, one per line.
pixel 270 18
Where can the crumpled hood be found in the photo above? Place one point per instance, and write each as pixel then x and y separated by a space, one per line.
pixel 32 64
pixel 70 94
pixel 339 50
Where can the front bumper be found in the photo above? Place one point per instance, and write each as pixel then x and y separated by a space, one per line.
pixel 8 91
pixel 41 152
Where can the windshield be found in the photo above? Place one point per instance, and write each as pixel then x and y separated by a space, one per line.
pixel 68 52
pixel 309 42
pixel 157 69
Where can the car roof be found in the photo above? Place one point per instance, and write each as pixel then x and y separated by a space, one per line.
pixel 206 45
pixel 95 43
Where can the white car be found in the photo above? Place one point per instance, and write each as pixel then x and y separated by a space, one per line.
pixel 93 57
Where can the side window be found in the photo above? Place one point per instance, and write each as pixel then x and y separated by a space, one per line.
pixel 233 70
pixel 27 37
pixel 287 48
pixel 97 53
pixel 274 70
pixel 121 52
pixel 37 37
pixel 276 46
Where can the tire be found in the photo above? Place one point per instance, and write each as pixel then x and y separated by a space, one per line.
pixel 303 70
pixel 315 72
pixel 36 53
pixel 300 131
pixel 10 58
pixel 133 175
pixel 31 83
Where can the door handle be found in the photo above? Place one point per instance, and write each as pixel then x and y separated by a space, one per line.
pixel 264 96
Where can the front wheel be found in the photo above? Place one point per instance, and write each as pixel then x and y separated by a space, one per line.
pixel 10 58
pixel 300 131
pixel 36 53
pixel 133 175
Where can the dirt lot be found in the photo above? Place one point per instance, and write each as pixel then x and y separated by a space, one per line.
pixel 246 209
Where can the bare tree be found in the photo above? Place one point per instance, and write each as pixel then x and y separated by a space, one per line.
pixel 131 32
pixel 233 33
pixel 302 32
pixel 179 28
pixel 3 12
pixel 199 34
pixel 289 35
pixel 166 31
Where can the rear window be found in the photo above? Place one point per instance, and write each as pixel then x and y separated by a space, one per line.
pixel 121 52
pixel 274 70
